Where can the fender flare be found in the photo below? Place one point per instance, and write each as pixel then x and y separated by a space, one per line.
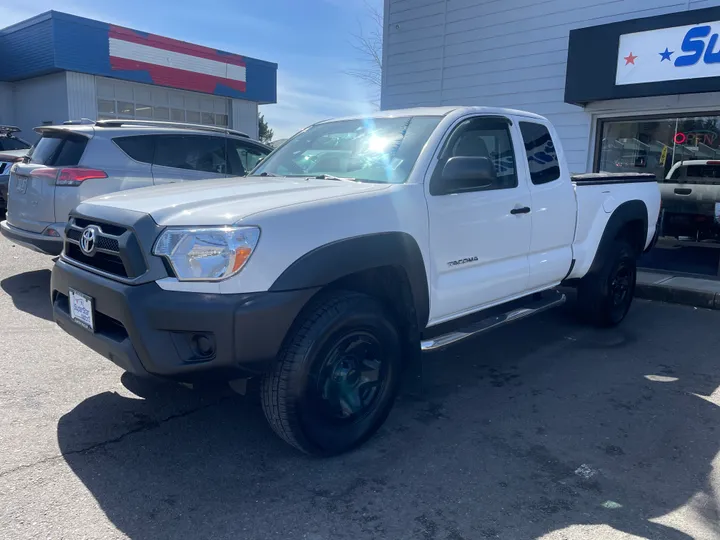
pixel 341 258
pixel 635 210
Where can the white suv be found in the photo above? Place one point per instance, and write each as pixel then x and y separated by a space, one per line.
pixel 75 161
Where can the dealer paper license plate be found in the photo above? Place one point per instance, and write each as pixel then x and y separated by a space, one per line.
pixel 81 309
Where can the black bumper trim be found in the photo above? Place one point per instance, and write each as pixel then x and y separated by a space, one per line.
pixel 3 192
pixel 150 331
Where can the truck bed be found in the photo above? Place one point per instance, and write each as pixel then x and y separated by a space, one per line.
pixel 597 196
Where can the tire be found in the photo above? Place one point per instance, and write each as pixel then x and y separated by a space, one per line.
pixel 605 297
pixel 337 375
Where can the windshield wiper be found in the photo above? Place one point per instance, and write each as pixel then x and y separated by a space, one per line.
pixel 266 174
pixel 331 177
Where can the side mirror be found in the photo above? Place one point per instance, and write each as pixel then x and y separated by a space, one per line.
pixel 466 173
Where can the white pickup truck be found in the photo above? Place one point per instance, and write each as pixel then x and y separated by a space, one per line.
pixel 352 248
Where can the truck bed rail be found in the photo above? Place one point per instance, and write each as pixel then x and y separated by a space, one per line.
pixel 594 179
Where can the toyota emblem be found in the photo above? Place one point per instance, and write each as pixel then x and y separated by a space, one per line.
pixel 88 240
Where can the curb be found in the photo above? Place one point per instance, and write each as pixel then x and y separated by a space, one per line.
pixel 678 295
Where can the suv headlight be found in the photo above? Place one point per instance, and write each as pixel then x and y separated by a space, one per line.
pixel 207 254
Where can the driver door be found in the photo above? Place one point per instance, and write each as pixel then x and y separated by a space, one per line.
pixel 480 237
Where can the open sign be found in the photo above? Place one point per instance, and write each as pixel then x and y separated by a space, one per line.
pixel 707 138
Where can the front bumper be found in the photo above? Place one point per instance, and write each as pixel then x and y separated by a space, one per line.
pixel 47 245
pixel 149 331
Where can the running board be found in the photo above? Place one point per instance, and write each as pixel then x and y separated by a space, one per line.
pixel 551 300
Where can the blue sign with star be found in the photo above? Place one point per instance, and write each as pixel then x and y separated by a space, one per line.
pixel 666 55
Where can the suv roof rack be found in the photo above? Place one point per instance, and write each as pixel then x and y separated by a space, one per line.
pixel 179 125
pixel 81 122
pixel 9 129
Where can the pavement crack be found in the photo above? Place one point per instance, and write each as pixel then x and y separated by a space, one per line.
pixel 145 427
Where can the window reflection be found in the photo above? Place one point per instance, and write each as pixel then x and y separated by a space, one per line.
pixel 684 155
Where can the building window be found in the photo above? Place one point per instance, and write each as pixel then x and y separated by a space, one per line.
pixel 161 113
pixel 143 111
pixel 118 99
pixel 106 106
pixel 684 154
pixel 177 115
pixel 125 108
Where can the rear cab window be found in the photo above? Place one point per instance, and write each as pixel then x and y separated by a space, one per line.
pixel 58 149
pixel 541 154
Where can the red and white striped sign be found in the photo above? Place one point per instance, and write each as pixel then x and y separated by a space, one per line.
pixel 174 63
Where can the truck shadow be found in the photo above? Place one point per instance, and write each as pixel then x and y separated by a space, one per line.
pixel 529 430
pixel 30 292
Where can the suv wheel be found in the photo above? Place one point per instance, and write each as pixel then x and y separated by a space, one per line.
pixel 337 376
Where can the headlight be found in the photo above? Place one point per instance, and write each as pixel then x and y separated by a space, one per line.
pixel 207 254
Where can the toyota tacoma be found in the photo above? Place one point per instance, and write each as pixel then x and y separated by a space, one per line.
pixel 356 246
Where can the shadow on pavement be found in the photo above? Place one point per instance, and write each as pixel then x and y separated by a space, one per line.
pixel 539 426
pixel 30 292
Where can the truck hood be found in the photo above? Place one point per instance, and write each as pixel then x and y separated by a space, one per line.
pixel 226 201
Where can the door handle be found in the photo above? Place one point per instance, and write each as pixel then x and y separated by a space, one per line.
pixel 683 191
pixel 522 210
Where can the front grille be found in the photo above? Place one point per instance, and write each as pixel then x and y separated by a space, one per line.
pixel 107 228
pixel 109 244
pixel 117 251
pixel 111 264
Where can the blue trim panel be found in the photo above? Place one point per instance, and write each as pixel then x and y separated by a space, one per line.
pixel 27 49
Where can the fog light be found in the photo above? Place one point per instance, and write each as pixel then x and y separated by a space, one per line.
pixel 202 346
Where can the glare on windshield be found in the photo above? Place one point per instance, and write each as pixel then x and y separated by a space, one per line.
pixel 368 149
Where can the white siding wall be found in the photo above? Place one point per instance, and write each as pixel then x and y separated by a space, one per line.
pixel 38 100
pixel 245 117
pixel 505 53
pixel 7 110
pixel 82 96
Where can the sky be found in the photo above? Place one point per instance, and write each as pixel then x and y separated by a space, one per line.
pixel 309 40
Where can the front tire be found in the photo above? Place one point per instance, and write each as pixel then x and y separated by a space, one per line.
pixel 336 377
pixel 605 297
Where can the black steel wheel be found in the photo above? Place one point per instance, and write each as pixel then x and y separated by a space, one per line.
pixel 337 376
pixel 605 297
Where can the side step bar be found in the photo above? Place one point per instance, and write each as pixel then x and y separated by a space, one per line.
pixel 534 307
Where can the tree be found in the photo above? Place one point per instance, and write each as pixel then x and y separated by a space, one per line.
pixel 368 41
pixel 265 134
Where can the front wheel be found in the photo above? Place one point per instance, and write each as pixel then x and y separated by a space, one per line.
pixel 336 378
pixel 604 298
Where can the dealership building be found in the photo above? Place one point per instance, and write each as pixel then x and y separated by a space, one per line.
pixel 56 67
pixel 631 86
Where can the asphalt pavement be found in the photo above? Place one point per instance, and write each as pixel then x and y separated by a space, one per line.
pixel 545 429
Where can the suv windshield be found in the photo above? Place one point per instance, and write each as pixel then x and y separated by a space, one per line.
pixel 367 150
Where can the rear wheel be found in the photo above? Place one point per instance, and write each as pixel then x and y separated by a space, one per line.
pixel 604 298
pixel 337 376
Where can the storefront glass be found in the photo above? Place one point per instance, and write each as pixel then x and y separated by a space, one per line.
pixel 684 154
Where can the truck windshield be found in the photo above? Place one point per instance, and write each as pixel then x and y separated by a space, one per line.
pixel 381 150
